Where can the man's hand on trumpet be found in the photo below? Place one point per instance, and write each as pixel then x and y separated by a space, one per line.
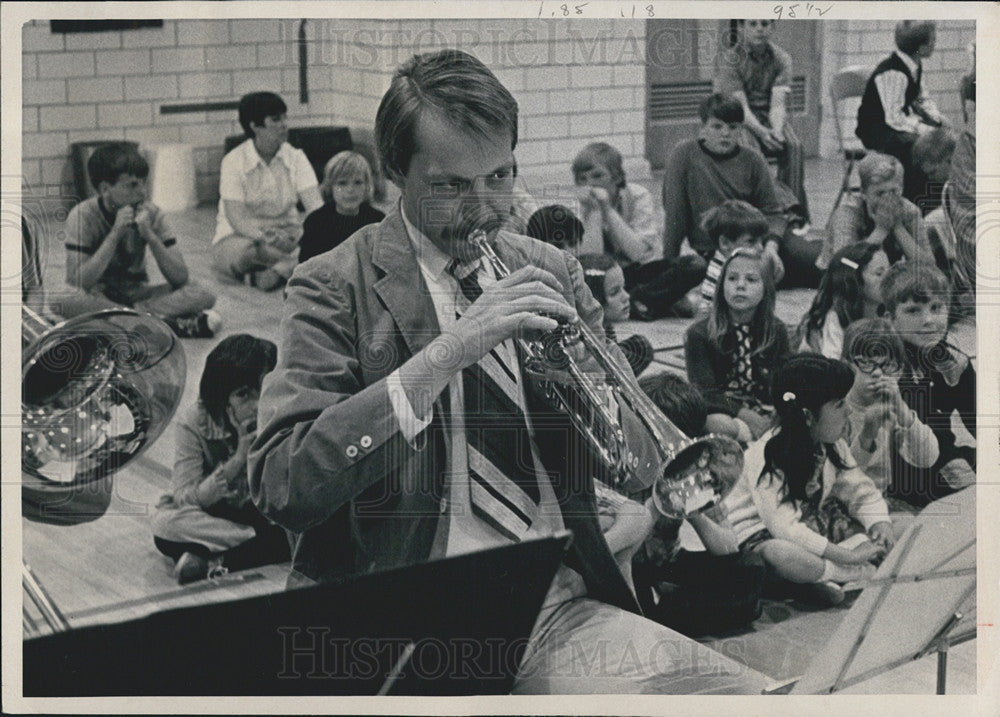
pixel 527 301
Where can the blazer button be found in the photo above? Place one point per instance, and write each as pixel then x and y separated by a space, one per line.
pixel 352 451
pixel 365 442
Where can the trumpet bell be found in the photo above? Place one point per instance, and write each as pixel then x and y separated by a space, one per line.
pixel 96 391
pixel 701 474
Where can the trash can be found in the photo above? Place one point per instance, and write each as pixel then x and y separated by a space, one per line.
pixel 172 176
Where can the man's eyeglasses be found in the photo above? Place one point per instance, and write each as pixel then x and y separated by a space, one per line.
pixel 867 364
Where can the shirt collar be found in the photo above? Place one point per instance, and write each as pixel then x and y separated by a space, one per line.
pixel 912 65
pixel 431 259
pixel 251 158
pixel 109 216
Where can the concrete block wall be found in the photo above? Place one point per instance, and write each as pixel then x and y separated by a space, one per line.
pixel 574 82
pixel 867 42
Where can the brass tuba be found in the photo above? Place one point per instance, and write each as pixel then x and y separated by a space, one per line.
pixel 692 475
pixel 96 391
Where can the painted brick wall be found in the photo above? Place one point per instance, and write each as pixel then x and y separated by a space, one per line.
pixel 866 43
pixel 573 81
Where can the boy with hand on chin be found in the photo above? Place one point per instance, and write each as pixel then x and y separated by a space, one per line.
pixel 106 241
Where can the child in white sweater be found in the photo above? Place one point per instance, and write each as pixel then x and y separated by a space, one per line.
pixel 883 426
pixel 802 503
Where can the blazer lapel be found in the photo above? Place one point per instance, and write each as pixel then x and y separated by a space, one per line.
pixel 402 288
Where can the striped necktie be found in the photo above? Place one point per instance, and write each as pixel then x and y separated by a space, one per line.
pixel 502 483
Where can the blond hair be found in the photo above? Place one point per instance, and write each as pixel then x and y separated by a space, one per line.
pixel 346 164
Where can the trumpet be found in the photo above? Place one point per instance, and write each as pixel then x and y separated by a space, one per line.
pixel 691 474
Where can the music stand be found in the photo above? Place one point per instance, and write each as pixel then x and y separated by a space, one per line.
pixel 919 602
pixel 456 626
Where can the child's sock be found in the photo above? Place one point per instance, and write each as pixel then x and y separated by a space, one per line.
pixel 846 573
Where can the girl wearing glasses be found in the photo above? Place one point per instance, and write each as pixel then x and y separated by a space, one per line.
pixel 884 429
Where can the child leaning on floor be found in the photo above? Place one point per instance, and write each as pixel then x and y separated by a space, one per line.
pixel 106 241
pixel 938 380
pixel 731 353
pixel 695 592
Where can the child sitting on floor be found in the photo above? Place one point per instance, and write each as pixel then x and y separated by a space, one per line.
pixel 619 219
pixel 937 380
pixel 731 353
pixel 604 278
pixel 694 591
pixel 106 241
pixel 884 430
pixel 802 501
pixel 731 225
pixel 207 521
pixel 851 289
pixel 347 189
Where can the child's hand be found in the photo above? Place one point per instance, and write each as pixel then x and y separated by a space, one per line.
pixel 245 435
pixel 886 213
pixel 144 219
pixel 124 217
pixel 867 552
pixel 758 424
pixel 771 141
pixel 881 535
pixel 601 197
pixel 876 415
pixel 280 240
pixel 213 489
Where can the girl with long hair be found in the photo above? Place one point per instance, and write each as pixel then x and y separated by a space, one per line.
pixel 731 353
pixel 849 290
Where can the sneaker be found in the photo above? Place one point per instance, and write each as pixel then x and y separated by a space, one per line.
pixel 826 594
pixel 189 568
pixel 216 569
pixel 202 325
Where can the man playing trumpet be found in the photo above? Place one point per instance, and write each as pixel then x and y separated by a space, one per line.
pixel 400 424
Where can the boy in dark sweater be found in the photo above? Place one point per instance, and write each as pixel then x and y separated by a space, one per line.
pixel 703 172
pixel 937 381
